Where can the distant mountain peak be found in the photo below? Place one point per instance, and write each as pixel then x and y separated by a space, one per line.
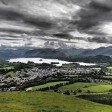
pixel 55 44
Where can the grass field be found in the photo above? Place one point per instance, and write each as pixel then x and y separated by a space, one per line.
pixel 7 68
pixel 48 85
pixel 92 87
pixel 76 86
pixel 108 76
pixel 47 102
pixel 110 67
pixel 99 88
pixel 96 68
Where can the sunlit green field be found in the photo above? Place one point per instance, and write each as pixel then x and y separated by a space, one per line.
pixel 47 102
pixel 7 68
pixel 76 86
pixel 99 88
pixel 110 67
pixel 96 68
pixel 48 85
pixel 108 76
pixel 91 87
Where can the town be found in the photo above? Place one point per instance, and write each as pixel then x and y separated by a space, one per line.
pixel 18 77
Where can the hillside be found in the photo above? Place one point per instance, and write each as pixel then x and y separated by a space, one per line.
pixel 12 53
pixel 68 52
pixel 107 51
pixel 45 53
pixel 47 102
pixel 60 53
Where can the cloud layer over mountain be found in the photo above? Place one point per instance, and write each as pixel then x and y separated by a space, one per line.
pixel 74 23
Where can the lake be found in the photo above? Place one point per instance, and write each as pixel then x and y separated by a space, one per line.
pixel 49 61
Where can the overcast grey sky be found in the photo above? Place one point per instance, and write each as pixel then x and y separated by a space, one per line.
pixel 74 23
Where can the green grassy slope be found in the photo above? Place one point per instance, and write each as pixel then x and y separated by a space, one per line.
pixel 47 102
pixel 76 86
pixel 92 87
pixel 48 85
pixel 99 88
pixel 7 68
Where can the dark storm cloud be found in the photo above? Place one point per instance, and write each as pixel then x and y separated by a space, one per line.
pixel 90 15
pixel 104 3
pixel 98 40
pixel 39 22
pixel 63 35
pixel 56 18
pixel 10 14
pixel 18 16
pixel 4 2
pixel 92 18
pixel 101 40
pixel 99 6
pixel 93 14
pixel 13 13
pixel 18 31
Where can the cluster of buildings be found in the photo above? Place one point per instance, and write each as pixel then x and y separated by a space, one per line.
pixel 26 75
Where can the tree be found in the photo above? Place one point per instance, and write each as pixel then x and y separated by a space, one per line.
pixel 67 92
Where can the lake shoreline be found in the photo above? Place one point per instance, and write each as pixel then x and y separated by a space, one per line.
pixel 48 61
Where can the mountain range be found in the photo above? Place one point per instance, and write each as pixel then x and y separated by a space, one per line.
pixel 54 53
pixel 68 52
